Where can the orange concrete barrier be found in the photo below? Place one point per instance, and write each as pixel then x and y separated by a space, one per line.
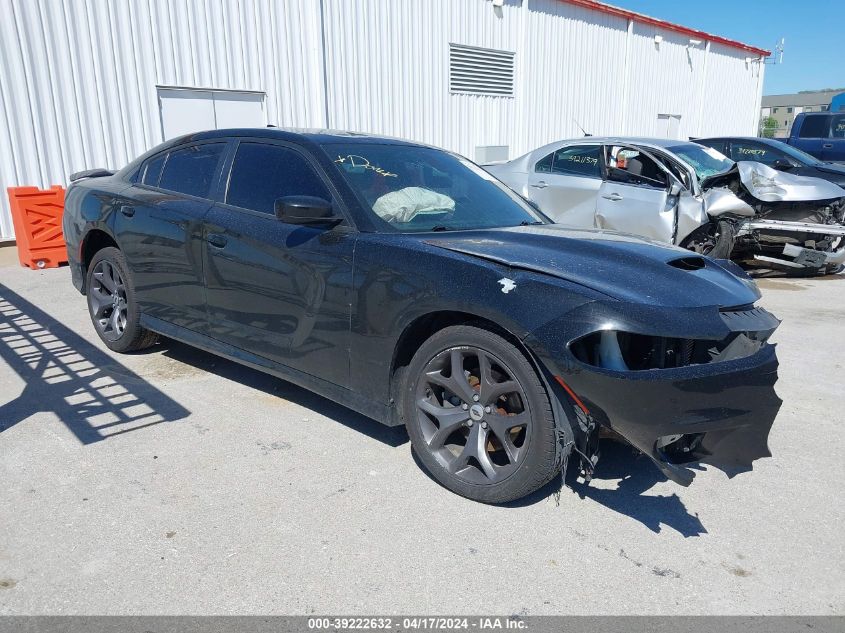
pixel 37 216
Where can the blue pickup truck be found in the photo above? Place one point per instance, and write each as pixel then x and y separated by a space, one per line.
pixel 821 134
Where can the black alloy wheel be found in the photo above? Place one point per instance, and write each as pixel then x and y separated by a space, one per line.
pixel 472 414
pixel 107 301
pixel 479 417
pixel 112 305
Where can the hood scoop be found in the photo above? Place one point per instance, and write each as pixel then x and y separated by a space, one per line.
pixel 688 263
pixel 620 266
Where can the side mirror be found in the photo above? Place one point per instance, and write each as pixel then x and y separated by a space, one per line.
pixel 675 189
pixel 781 164
pixel 305 210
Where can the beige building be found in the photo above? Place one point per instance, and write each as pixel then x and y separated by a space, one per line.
pixel 784 108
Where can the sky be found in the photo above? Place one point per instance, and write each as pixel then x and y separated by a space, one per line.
pixel 814 30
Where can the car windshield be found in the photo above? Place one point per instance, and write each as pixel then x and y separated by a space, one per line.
pixel 706 161
pixel 802 157
pixel 413 189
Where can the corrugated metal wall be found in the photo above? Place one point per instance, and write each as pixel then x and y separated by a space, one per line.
pixel 574 74
pixel 388 63
pixel 78 77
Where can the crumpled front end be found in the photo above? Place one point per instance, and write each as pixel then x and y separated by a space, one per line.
pixel 683 386
pixel 781 220
pixel 770 185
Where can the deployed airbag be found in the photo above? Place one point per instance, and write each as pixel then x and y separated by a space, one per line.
pixel 406 204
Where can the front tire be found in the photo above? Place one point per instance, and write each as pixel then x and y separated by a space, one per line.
pixel 714 239
pixel 112 305
pixel 479 417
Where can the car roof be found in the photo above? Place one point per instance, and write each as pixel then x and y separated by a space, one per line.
pixel 755 139
pixel 663 143
pixel 308 135
pixel 639 140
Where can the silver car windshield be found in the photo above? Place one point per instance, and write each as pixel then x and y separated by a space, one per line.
pixel 706 161
pixel 411 189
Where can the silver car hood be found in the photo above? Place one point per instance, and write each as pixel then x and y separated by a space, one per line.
pixel 770 185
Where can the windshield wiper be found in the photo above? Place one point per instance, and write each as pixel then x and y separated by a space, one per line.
pixel 440 227
pixel 531 222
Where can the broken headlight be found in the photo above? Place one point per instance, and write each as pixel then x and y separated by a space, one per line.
pixel 626 351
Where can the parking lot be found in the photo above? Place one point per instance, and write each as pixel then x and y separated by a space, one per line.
pixel 174 482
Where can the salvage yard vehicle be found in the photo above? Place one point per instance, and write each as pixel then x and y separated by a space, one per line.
pixel 777 155
pixel 686 194
pixel 821 134
pixel 408 284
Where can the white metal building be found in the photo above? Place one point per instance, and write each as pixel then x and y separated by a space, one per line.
pixel 94 83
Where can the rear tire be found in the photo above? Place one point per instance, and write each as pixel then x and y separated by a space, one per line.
pixel 485 431
pixel 112 305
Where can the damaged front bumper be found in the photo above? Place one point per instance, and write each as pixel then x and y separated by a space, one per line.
pixel 718 412
pixel 677 416
pixel 795 256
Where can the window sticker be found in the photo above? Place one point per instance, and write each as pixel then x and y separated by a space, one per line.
pixel 577 158
pixel 751 150
pixel 353 162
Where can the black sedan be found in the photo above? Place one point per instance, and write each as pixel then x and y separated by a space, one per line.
pixel 408 284
pixel 777 155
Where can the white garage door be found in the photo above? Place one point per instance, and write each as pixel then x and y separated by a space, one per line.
pixel 191 110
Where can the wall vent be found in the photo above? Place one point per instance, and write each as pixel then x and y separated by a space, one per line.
pixel 480 71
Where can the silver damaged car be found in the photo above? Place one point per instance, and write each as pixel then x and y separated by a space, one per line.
pixel 688 195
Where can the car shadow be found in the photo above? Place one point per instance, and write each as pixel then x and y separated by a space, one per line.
pixel 93 395
pixel 391 435
pixel 637 475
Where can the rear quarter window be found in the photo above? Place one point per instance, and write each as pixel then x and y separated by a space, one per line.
pixel 151 170
pixel 544 166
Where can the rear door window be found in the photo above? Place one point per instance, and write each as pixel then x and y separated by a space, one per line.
pixel 578 160
pixel 262 173
pixel 192 170
pixel 815 127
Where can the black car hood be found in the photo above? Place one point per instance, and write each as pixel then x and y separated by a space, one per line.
pixel 830 168
pixel 622 266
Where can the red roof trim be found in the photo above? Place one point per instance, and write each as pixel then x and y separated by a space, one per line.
pixel 645 19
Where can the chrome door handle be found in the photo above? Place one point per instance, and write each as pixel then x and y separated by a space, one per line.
pixel 540 185
pixel 613 196
pixel 827 145
pixel 216 240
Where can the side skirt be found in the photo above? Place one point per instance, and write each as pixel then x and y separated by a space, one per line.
pixel 379 412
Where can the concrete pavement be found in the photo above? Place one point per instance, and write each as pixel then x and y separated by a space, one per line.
pixel 174 482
